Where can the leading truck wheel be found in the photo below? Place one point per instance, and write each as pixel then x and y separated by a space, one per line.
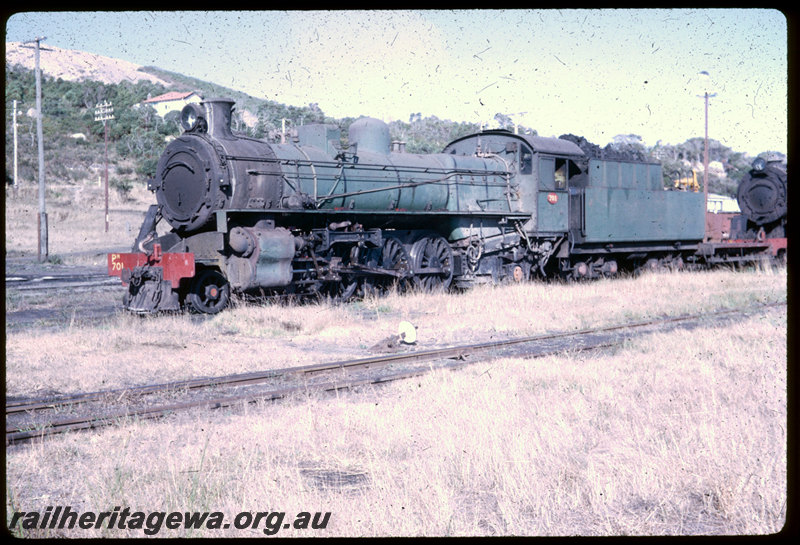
pixel 209 293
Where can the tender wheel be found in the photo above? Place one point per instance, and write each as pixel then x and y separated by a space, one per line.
pixel 209 293
pixel 652 265
pixel 676 264
pixel 433 264
pixel 580 271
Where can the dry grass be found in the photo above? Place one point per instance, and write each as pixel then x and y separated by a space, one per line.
pixel 130 350
pixel 678 433
pixel 546 306
pixel 76 222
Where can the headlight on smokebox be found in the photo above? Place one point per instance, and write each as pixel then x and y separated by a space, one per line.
pixel 191 117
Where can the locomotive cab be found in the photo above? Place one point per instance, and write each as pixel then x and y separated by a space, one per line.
pixel 557 174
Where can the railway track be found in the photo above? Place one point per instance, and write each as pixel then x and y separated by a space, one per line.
pixel 29 282
pixel 58 296
pixel 27 419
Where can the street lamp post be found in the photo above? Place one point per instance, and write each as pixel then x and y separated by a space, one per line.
pixel 105 112
pixel 705 78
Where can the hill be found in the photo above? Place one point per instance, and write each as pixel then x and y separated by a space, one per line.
pixel 80 66
pixel 73 65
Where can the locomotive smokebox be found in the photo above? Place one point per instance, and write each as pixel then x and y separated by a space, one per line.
pixel 762 193
pixel 191 181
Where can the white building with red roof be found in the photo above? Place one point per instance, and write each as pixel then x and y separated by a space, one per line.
pixel 174 100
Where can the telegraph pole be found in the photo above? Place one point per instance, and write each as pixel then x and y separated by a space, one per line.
pixel 105 112
pixel 42 210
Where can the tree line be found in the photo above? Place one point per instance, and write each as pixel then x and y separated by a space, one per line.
pixel 137 135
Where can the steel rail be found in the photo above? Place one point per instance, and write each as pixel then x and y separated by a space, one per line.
pixel 20 278
pixel 109 283
pixel 16 435
pixel 22 282
pixel 253 377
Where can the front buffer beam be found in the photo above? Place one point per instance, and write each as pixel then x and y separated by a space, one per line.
pixel 153 279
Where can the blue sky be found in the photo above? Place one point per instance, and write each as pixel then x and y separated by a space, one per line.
pixel 594 73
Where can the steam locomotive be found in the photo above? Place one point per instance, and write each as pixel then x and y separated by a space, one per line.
pixel 760 227
pixel 762 198
pixel 318 217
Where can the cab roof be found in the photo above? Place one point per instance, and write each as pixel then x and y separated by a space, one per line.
pixel 539 144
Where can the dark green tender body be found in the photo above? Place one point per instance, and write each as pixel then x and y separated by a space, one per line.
pixel 625 202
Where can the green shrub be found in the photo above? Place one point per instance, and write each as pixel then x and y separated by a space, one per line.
pixel 147 166
pixel 123 186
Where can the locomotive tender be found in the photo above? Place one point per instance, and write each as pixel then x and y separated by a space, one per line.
pixel 314 217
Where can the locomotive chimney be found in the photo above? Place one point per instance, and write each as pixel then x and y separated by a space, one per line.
pixel 218 117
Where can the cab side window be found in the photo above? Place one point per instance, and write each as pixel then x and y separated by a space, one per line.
pixel 547 172
pixel 555 172
pixel 560 174
pixel 526 161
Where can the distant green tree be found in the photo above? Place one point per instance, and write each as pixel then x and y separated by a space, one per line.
pixel 429 134
pixel 68 108
pixel 630 145
pixel 271 117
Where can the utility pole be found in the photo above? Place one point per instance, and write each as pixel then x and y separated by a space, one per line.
pixel 16 162
pixel 42 210
pixel 105 112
